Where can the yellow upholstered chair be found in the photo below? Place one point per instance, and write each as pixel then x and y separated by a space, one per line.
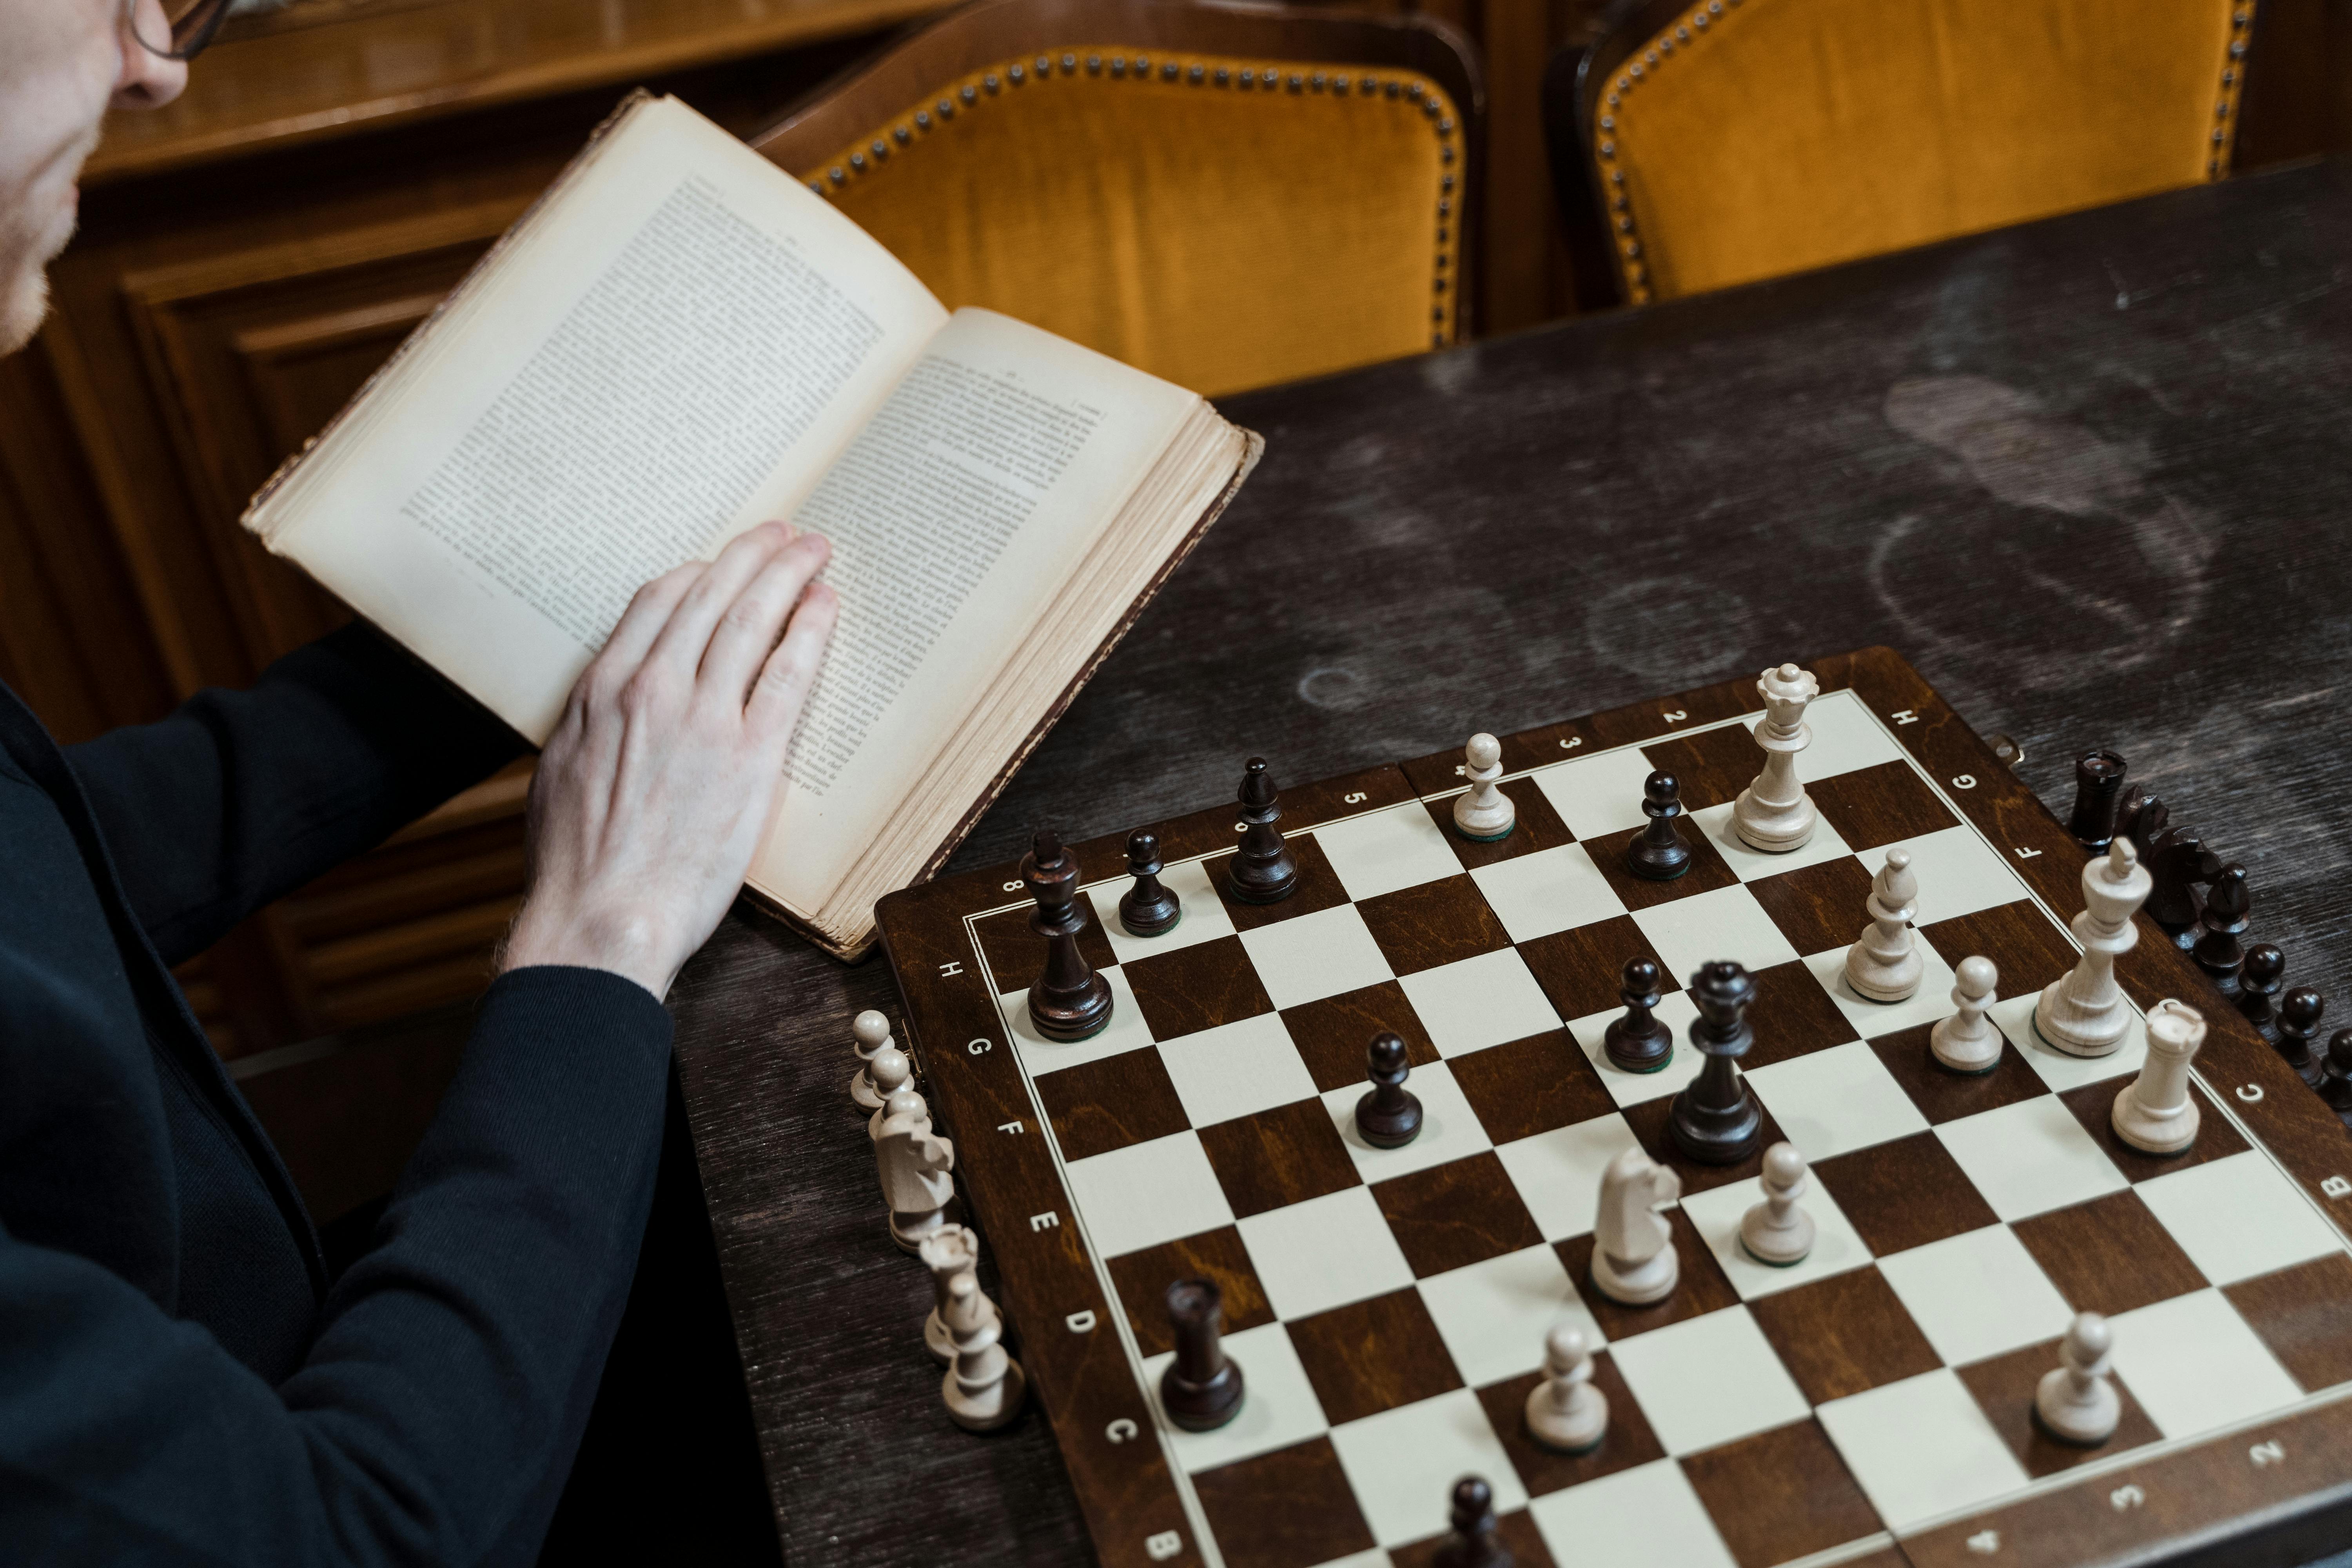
pixel 1717 141
pixel 1223 196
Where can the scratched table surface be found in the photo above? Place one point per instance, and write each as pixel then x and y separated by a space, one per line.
pixel 2091 476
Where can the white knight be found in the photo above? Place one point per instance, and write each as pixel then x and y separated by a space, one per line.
pixel 1633 1256
pixel 915 1164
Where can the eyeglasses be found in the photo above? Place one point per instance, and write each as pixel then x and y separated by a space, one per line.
pixel 189 25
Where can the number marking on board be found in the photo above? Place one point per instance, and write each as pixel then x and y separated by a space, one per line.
pixel 1985 1543
pixel 1013 887
pixel 2265 1454
pixel 1354 797
pixel 2125 1497
pixel 1120 1431
pixel 1572 743
pixel 1675 715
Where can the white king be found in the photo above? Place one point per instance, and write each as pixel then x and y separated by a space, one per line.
pixel 1775 814
pixel 2083 1012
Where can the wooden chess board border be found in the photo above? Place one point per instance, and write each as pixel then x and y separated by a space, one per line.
pixel 2257 1477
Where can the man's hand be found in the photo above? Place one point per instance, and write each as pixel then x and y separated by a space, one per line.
pixel 654 790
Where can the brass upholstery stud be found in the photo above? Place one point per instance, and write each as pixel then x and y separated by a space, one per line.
pixel 1044 67
pixel 1652 57
pixel 1446 183
pixel 1069 64
pixel 1428 107
pixel 991 83
pixel 1437 312
pixel 1445 126
pixel 1270 76
pixel 1608 150
pixel 1367 84
pixel 1637 73
pixel 817 186
pixel 922 119
pixel 1223 76
pixel 1018 74
pixel 1392 89
pixel 968 94
pixel 881 149
pixel 1443 206
pixel 1094 65
pixel 1298 83
pixel 1319 82
pixel 1249 78
pixel 1194 75
pixel 2237 48
pixel 1339 82
pixel 835 175
pixel 1118 65
pixel 2219 136
pixel 1142 65
pixel 1682 35
pixel 947 109
pixel 1608 122
pixel 902 135
pixel 1446 153
pixel 857 161
pixel 1167 70
pixel 1440 285
pixel 1412 91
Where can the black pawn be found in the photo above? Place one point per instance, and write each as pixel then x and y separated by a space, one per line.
pixel 1473 1543
pixel 2098 790
pixel 2259 984
pixel 1202 1389
pixel 1659 853
pixel 1638 1042
pixel 1389 1114
pixel 2298 1032
pixel 2336 1082
pixel 1070 1001
pixel 1148 908
pixel 2220 948
pixel 1263 872
pixel 1716 1119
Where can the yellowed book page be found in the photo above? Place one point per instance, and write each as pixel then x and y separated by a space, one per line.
pixel 678 349
pixel 957 515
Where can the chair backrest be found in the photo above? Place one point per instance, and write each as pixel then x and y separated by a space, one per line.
pixel 1225 196
pixel 1706 143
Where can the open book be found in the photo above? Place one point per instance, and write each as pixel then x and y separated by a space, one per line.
pixel 679 341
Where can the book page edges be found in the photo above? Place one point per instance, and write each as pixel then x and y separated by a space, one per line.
pixel 849 934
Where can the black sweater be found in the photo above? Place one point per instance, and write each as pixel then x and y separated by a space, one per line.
pixel 176 1383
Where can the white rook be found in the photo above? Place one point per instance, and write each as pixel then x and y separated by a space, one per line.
pixel 2155 1113
pixel 2083 1012
pixel 1775 814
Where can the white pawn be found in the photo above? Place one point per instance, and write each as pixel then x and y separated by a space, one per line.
pixel 1775 814
pixel 950 1251
pixel 983 1385
pixel 1565 1411
pixel 1634 1256
pixel 2074 1401
pixel 892 1072
pixel 1883 962
pixel 2083 1012
pixel 871 1030
pixel 1777 1231
pixel 2155 1113
pixel 914 1165
pixel 1485 812
pixel 1967 1041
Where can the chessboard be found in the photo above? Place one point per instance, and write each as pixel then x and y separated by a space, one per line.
pixel 1389 1306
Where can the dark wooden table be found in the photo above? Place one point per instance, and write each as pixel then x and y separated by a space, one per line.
pixel 2091 476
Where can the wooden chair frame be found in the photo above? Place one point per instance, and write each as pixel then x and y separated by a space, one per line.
pixel 869 95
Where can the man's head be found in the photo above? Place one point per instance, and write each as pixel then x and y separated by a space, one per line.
pixel 63 63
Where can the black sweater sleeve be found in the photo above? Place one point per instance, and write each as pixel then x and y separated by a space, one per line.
pixel 435 1416
pixel 240 796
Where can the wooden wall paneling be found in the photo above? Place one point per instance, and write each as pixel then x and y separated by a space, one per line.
pixel 72 643
pixel 2298 97
pixel 254 350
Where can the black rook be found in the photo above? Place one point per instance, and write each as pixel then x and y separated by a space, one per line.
pixel 1202 1389
pixel 2098 790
